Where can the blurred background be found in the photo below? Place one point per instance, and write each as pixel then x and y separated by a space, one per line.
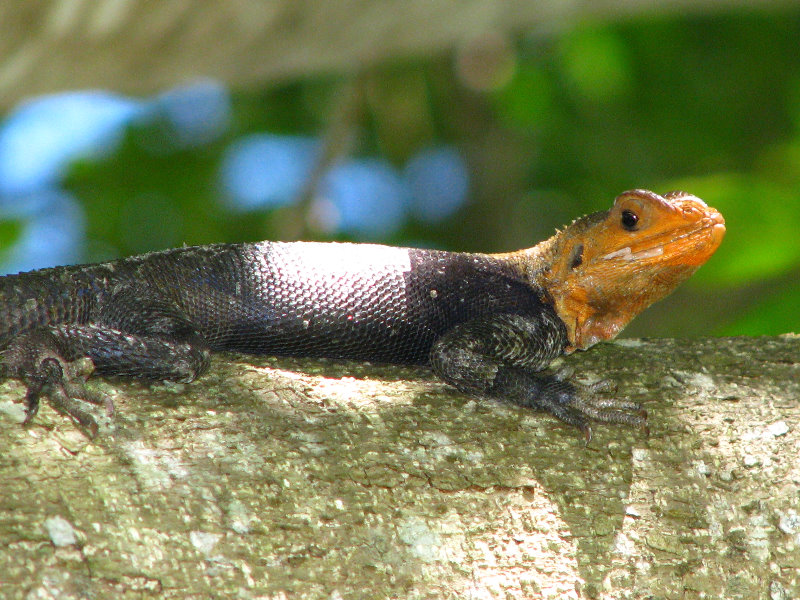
pixel 465 130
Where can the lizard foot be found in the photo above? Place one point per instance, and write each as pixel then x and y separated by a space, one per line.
pixel 586 400
pixel 50 370
pixel 585 403
pixel 573 403
pixel 63 383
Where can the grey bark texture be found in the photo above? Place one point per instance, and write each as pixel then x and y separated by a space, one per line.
pixel 284 478
pixel 141 47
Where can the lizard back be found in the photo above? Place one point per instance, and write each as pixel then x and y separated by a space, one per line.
pixel 339 300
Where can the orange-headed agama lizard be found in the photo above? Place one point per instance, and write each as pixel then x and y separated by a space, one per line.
pixel 486 323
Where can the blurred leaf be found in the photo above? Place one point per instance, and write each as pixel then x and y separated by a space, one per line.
pixel 596 63
pixel 527 101
pixel 10 231
pixel 148 196
pixel 777 313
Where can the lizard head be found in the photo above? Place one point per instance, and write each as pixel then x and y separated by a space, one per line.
pixel 608 267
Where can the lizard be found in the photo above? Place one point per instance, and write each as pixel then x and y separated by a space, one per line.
pixel 488 324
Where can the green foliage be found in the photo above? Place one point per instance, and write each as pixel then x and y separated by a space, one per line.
pixel 143 198
pixel 9 234
pixel 772 310
pixel 596 65
pixel 152 195
pixel 527 101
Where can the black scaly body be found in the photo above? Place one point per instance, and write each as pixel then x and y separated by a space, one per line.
pixel 354 301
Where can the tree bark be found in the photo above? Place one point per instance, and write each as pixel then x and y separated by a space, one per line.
pixel 141 47
pixel 281 478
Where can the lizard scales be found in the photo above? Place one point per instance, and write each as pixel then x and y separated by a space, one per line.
pixel 337 300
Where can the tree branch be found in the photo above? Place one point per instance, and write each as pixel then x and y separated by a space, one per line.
pixel 317 478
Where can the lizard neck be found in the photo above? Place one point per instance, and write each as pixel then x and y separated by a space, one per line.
pixel 605 268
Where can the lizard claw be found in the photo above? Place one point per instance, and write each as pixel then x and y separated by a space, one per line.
pixel 564 373
pixel 579 404
pixel 587 433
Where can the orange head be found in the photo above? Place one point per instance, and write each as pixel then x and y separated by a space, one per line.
pixel 608 267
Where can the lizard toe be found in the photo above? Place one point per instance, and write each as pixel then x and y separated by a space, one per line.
pixel 607 410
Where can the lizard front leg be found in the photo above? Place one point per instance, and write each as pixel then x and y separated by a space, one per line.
pixel 502 356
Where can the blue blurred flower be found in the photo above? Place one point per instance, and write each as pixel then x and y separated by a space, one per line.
pixel 41 137
pixel 199 112
pixel 438 181
pixel 53 231
pixel 366 196
pixel 267 170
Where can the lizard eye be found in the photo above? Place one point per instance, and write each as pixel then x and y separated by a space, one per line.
pixel 629 220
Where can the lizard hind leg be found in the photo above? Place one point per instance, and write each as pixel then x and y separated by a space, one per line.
pixel 39 362
pixel 54 362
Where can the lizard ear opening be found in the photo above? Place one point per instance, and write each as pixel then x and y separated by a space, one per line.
pixel 576 256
